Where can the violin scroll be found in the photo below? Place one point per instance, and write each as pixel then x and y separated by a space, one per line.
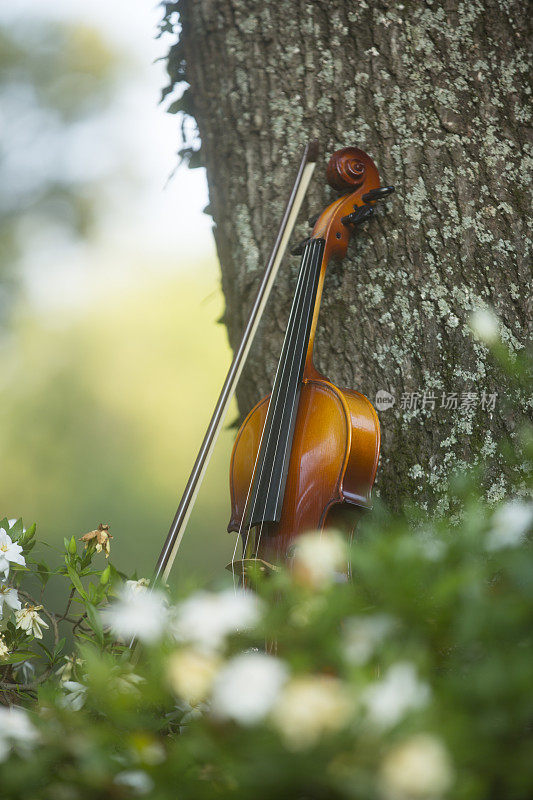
pixel 353 172
pixel 349 168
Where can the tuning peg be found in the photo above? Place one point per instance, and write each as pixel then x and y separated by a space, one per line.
pixel 358 216
pixel 378 194
pixel 313 220
pixel 298 249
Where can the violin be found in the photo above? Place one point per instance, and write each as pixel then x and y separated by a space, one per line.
pixel 309 450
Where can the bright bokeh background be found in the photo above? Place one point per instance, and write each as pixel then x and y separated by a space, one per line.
pixel 111 358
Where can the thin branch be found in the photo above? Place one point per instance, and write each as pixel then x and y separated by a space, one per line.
pixel 69 603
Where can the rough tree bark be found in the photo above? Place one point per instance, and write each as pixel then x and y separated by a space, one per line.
pixel 436 92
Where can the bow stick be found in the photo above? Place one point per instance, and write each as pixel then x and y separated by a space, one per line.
pixel 179 523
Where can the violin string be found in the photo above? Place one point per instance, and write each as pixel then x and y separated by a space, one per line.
pixel 301 303
pixel 287 344
pixel 294 355
pixel 287 341
pixel 256 462
pixel 243 518
pixel 316 264
pixel 292 350
pixel 251 483
pixel 314 251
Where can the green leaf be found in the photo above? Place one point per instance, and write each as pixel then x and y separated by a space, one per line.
pixel 59 648
pixel 16 658
pixel 73 575
pixel 17 567
pixel 81 635
pixel 106 574
pixel 46 650
pixel 95 622
pixel 43 571
pixel 27 536
pixel 16 530
pixel 30 533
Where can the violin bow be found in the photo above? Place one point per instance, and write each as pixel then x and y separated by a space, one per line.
pixel 179 523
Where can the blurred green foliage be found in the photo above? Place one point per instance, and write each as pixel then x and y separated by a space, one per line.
pixel 411 682
pixel 102 411
pixel 105 425
pixel 55 78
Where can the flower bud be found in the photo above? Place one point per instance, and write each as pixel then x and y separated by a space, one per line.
pixel 106 574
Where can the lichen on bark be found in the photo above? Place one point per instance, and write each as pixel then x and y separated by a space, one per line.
pixel 437 93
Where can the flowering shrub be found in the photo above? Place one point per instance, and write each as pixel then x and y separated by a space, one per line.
pixel 410 681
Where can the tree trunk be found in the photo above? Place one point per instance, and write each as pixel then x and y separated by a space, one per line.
pixel 436 93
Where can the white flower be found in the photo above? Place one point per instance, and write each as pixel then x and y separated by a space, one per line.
pixel 206 618
pixel 190 674
pixel 320 558
pixel 148 750
pixel 4 649
pixel 9 551
pixel 74 696
pixel 126 683
pixel 304 612
pixel 485 325
pixel 9 597
pixel 400 691
pixel 247 687
pixel 15 730
pixel 29 621
pixel 135 779
pixel 142 615
pixel 190 713
pixel 310 707
pixel 25 672
pixel 510 524
pixel 417 769
pixel 431 547
pixel 64 673
pixel 363 634
pixel 15 724
pixel 138 586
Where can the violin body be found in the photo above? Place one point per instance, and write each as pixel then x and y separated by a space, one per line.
pixel 310 449
pixel 333 461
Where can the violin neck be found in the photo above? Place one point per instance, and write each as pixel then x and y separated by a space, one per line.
pixel 299 335
pixel 273 461
pixel 309 369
